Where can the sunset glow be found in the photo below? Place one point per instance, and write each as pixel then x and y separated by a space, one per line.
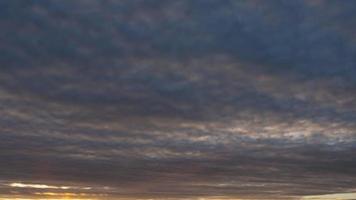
pixel 38 186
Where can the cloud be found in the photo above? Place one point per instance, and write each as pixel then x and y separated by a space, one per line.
pixel 181 100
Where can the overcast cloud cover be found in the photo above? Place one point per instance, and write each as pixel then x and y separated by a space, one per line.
pixel 187 99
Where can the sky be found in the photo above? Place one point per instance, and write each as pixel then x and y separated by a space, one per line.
pixel 177 100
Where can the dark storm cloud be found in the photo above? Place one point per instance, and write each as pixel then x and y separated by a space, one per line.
pixel 181 99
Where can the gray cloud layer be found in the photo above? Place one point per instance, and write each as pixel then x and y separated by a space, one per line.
pixel 179 99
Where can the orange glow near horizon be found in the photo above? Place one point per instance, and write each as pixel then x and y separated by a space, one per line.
pixel 52 192
pixel 64 198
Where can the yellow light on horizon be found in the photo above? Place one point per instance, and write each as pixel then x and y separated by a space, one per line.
pixel 38 186
pixel 44 186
